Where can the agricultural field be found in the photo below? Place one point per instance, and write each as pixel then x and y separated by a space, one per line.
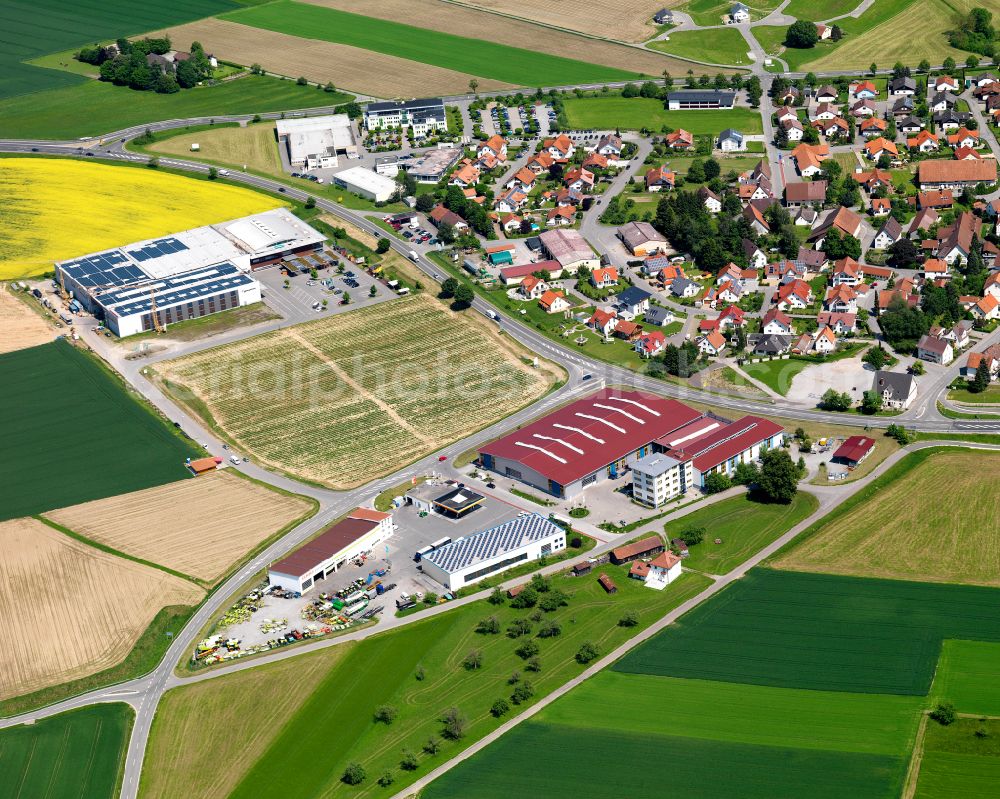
pixel 363 374
pixel 744 526
pixel 20 326
pixel 109 206
pixel 968 676
pixel 418 670
pixel 777 375
pixel 630 21
pixel 197 527
pixel 962 759
pixel 36 28
pixel 899 528
pixel 467 21
pixel 205 734
pixel 642 112
pixel 102 605
pixel 715 46
pixel 472 56
pixel 96 108
pixel 253 145
pixel 74 755
pixel 72 434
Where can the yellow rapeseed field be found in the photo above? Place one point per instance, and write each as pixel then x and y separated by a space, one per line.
pixel 53 209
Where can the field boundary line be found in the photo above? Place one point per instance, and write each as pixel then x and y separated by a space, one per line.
pixel 913 770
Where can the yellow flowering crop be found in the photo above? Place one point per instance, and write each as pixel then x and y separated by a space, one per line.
pixel 54 209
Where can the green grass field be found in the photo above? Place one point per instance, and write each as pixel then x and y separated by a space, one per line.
pixel 473 56
pixel 968 676
pixel 989 397
pixel 957 762
pixel 644 112
pixel 712 12
pixel 335 726
pixel 95 108
pixel 75 755
pixel 777 375
pixel 821 632
pixel 72 434
pixel 716 46
pixel 744 526
pixel 32 29
pixel 807 9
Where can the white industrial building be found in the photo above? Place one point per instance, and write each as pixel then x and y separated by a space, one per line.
pixel 186 275
pixel 317 142
pixel 361 531
pixel 424 116
pixel 366 183
pixel 467 560
pixel 658 478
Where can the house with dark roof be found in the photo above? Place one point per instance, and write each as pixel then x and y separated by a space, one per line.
pixel 897 389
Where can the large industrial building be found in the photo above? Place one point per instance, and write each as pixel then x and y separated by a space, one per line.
pixel 469 559
pixel 366 183
pixel 187 275
pixel 361 531
pixel 569 248
pixel 424 116
pixel 317 142
pixel 601 437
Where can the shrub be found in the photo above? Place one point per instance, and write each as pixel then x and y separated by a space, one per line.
pixel 528 649
pixel 587 653
pixel 488 626
pixel 497 597
pixel 432 746
pixel 553 600
pixel 628 619
pixel 354 774
pixel 386 779
pixel 576 542
pixel 519 627
pixel 386 714
pixel 534 664
pixel 550 630
pixel 526 598
pixel 944 713
pixel 500 708
pixel 522 693
pixel 409 761
pixel 540 584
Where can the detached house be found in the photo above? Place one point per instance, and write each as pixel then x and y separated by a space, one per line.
pixel 843 219
pixel 755 256
pixel 897 389
pixel 650 344
pixel 713 343
pixel 935 350
pixel 711 200
pixel 794 295
pixel 680 139
pixel 890 232
pixel 603 321
pixel 846 272
pixel 660 179
pixel 840 322
pixel 923 142
pixel 561 148
pixel 604 277
pixel 776 322
pixel 553 302
pixel 903 86
pixel 841 299
pixel 876 148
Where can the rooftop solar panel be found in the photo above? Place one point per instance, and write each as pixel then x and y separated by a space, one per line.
pixel 495 541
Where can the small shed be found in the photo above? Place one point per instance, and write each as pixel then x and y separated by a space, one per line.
pixel 202 465
pixel 607 584
pixel 680 546
pixel 583 567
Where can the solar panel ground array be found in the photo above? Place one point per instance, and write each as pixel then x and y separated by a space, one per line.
pixel 72 434
pixel 821 632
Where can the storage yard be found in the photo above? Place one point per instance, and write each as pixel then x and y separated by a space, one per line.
pixel 20 326
pixel 359 374
pixel 197 527
pixel 68 609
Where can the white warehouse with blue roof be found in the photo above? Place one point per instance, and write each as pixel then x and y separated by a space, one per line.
pixel 186 275
pixel 466 560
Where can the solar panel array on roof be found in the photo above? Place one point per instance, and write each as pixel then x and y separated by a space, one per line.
pixel 178 290
pixel 487 544
pixel 157 249
pixel 109 268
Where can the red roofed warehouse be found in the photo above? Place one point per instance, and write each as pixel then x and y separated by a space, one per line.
pixel 600 437
pixel 854 450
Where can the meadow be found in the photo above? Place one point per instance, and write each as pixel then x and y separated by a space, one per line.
pixel 301 398
pixel 777 375
pixel 958 761
pixel 968 676
pixel 820 632
pixel 72 434
pixel 715 46
pixel 74 755
pixel 713 12
pixel 745 527
pixel 254 146
pixel 95 108
pixel 34 28
pixel 107 206
pixel 418 670
pixel 472 56
pixel 899 528
pixel 635 113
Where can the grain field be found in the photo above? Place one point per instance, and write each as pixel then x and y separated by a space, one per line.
pixel 68 610
pixel 20 327
pixel 197 527
pixel 349 68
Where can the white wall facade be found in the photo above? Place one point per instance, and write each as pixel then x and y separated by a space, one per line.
pixel 484 568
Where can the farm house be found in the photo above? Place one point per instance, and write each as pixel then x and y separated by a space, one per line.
pixel 360 532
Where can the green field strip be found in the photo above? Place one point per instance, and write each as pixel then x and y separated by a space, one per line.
pixel 472 56
pixel 820 632
pixel 74 755
pixel 878 724
pixel 635 113
pixel 947 775
pixel 568 762
pixel 968 676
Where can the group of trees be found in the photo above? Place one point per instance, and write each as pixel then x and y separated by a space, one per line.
pixel 127 65
pixel 776 480
pixel 802 34
pixel 473 213
pixel 975 32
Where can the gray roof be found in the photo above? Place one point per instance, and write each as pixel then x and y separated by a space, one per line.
pixel 657 315
pixel 425 104
pixel 897 84
pixel 730 133
pixel 677 287
pixel 738 7
pixel 898 384
pixel 635 233
pixel 478 547
pixel 772 344
pixel 655 464
pixel 891 228
pixel 632 296
pixel 703 96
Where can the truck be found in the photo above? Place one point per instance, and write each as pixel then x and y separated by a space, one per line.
pixel 66 317
pixel 74 306
pixel 413 256
pixel 493 315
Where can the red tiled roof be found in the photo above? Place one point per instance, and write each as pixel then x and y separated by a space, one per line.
pixel 335 539
pixel 854 448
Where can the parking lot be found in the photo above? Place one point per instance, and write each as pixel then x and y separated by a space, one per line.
pixel 423 233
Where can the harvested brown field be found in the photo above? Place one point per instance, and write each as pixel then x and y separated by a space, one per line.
pixel 20 327
pixel 68 610
pixel 196 527
pixel 626 21
pixel 205 736
pixel 353 231
pixel 350 68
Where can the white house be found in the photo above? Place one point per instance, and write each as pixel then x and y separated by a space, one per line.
pixel 739 13
pixel 663 570
pixel 731 140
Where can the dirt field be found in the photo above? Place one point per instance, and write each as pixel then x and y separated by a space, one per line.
pixel 404 381
pixel 626 21
pixel 196 527
pixel 907 532
pixel 253 145
pixel 205 736
pixel 848 375
pixel 20 327
pixel 353 231
pixel 350 68
pixel 68 610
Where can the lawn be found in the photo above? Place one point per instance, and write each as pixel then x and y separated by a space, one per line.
pixel 32 29
pixel 419 671
pixel 958 762
pixel 644 112
pixel 71 433
pixel 253 146
pixel 481 57
pixel 744 526
pixel 714 12
pixel 991 396
pixel 94 108
pixel 820 632
pixel 74 755
pixel 108 205
pixel 806 9
pixel 716 46
pixel 899 527
pixel 968 676
pixel 778 374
